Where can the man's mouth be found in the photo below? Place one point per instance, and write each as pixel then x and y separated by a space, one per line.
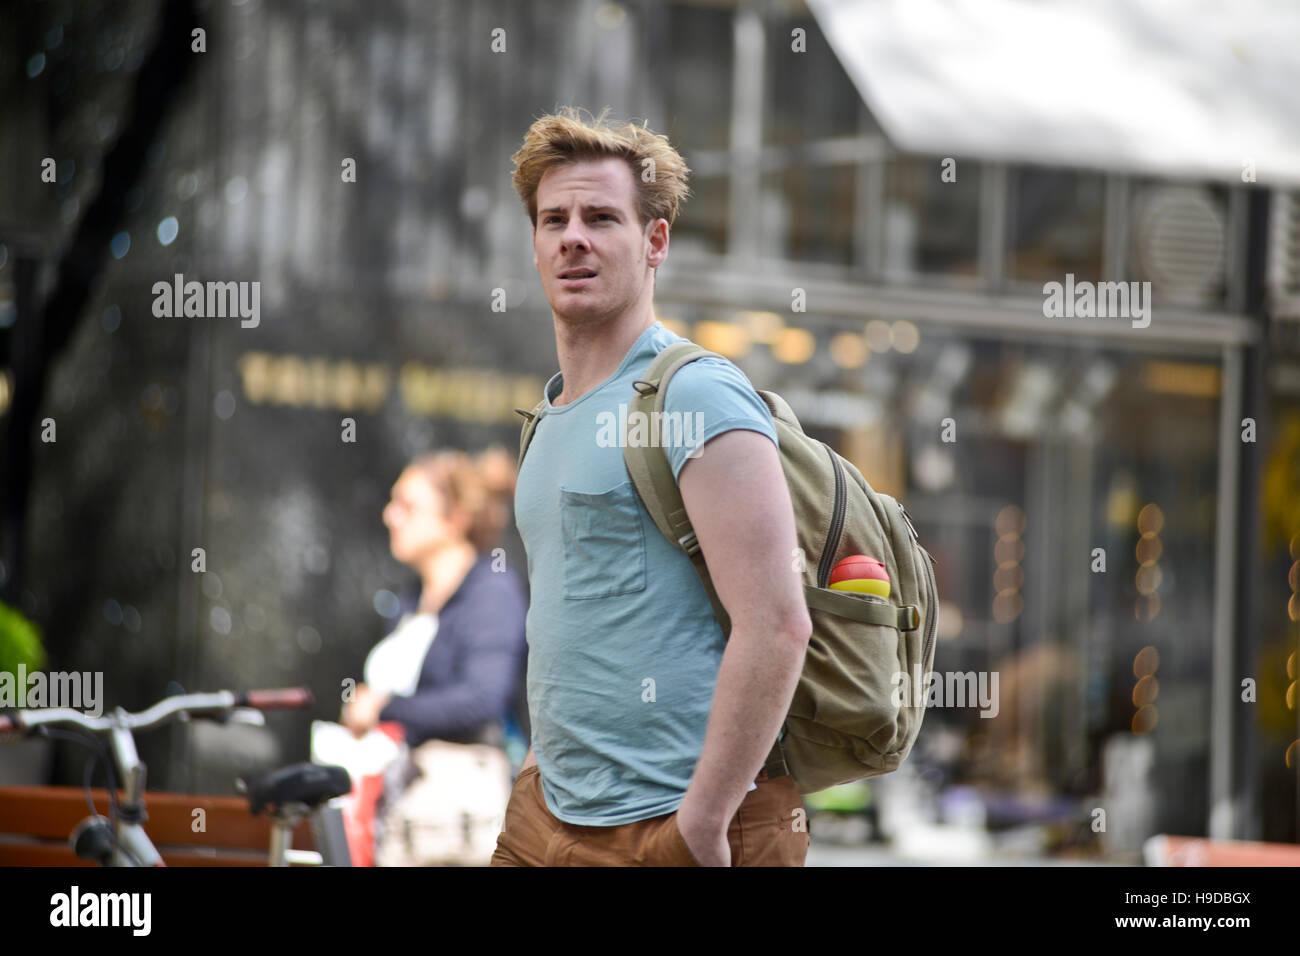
pixel 578 274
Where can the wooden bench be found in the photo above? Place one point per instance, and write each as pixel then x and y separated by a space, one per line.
pixel 1169 850
pixel 35 823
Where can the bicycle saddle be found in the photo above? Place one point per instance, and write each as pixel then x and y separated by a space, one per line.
pixel 306 783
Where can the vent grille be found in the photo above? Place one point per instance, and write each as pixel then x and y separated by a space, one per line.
pixel 1284 256
pixel 1180 244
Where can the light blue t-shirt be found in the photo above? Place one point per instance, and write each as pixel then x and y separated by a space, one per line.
pixel 623 647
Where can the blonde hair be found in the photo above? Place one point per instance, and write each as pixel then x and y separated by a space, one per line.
pixel 563 137
pixel 480 486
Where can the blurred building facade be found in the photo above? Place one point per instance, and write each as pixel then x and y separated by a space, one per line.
pixel 895 296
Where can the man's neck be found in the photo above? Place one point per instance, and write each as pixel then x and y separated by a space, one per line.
pixel 589 354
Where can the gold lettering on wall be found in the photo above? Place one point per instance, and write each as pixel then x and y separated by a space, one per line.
pixel 471 395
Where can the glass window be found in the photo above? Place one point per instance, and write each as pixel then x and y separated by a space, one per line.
pixel 1277 660
pixel 1072 517
pixel 929 226
pixel 1055 222
pixel 702 220
pixel 697 77
pixel 807 213
pixel 807 95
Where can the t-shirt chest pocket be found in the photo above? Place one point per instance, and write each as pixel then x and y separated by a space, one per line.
pixel 604 542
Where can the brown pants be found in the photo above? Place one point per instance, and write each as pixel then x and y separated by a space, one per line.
pixel 769 829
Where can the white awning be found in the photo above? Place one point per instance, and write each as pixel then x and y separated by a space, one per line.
pixel 1175 88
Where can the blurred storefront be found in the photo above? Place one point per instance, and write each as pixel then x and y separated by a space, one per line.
pixel 1094 490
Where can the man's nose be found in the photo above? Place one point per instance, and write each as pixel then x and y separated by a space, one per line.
pixel 574 237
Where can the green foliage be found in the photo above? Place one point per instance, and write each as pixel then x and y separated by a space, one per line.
pixel 852 797
pixel 20 642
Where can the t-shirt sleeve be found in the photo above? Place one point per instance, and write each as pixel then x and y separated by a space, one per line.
pixel 711 397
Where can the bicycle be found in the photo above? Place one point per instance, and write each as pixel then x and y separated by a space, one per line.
pixel 288 794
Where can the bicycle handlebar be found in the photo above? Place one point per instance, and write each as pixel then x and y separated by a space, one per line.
pixel 192 705
pixel 283 698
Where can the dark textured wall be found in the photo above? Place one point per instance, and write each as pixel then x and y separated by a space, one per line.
pixel 376 305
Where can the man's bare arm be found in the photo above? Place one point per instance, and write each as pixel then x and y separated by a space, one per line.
pixel 736 496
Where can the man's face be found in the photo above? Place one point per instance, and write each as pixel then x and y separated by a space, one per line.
pixel 587 224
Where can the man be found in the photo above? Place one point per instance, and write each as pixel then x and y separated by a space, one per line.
pixel 649 726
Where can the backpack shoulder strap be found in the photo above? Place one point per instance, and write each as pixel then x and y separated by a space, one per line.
pixel 652 473
pixel 526 435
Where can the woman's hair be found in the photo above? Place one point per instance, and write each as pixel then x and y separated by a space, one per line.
pixel 564 137
pixel 479 485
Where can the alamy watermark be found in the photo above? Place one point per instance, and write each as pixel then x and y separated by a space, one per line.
pixel 208 300
pixel 80 690
pixel 1098 300
pixel 75 908
pixel 638 429
pixel 947 689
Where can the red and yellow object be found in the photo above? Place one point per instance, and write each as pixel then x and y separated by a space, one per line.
pixel 862 574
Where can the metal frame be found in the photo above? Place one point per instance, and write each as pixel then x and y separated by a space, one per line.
pixel 718 282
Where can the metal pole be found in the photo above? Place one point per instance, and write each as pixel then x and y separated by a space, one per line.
pixel 744 216
pixel 993 224
pixel 1222 811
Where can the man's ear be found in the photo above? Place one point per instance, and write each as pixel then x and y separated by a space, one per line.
pixel 657 237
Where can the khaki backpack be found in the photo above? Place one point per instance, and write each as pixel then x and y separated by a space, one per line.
pixel 866 655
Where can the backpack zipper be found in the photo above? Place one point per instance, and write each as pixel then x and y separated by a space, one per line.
pixel 932 624
pixel 902 509
pixel 934 608
pixel 837 522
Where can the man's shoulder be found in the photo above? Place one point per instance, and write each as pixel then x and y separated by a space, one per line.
pixel 711 380
pixel 711 396
pixel 707 369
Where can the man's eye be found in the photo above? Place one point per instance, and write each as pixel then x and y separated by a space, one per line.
pixel 550 219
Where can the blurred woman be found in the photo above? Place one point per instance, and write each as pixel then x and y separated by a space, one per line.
pixel 448 672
